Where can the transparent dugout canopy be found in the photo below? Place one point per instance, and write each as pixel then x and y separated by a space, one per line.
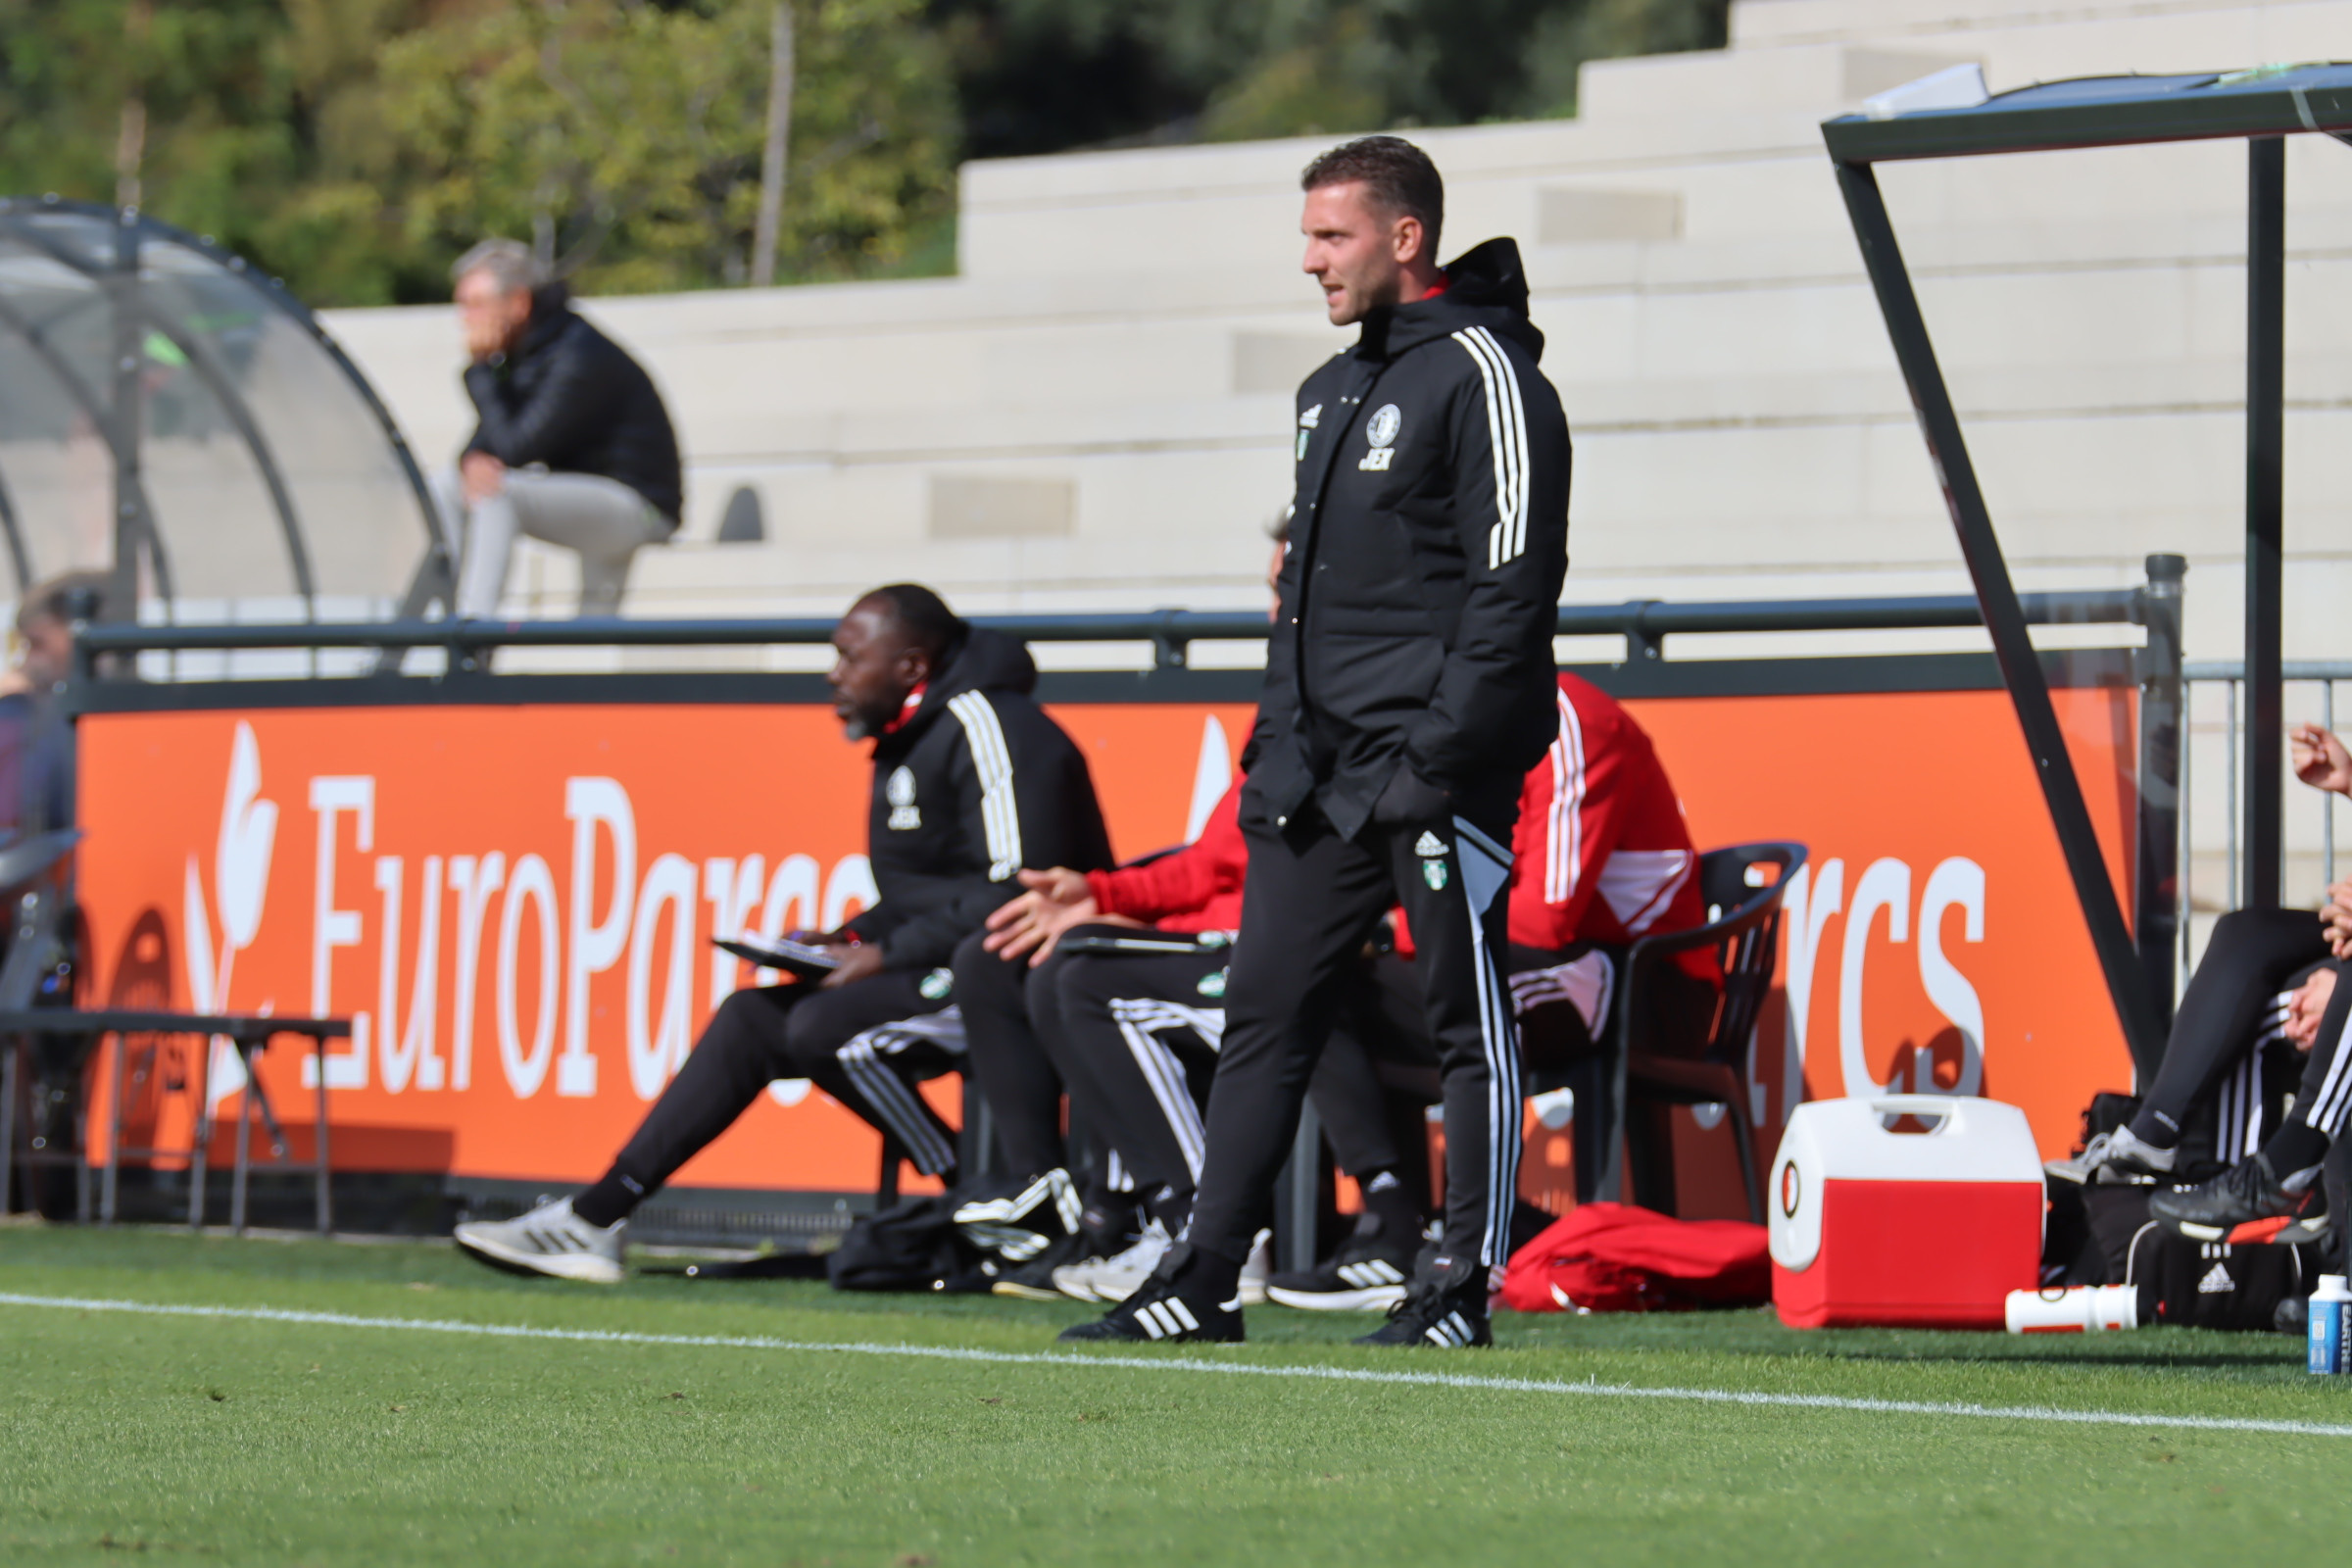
pixel 174 418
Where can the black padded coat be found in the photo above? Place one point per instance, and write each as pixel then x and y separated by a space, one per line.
pixel 571 398
pixel 1429 540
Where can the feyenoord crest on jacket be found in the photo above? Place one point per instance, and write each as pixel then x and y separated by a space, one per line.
pixel 1431 521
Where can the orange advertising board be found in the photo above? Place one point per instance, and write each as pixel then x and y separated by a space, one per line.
pixel 514 903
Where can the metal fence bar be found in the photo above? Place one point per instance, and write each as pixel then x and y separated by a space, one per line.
pixel 1644 623
pixel 2234 882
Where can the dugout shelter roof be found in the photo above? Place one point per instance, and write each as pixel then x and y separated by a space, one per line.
pixel 175 419
pixel 2261 107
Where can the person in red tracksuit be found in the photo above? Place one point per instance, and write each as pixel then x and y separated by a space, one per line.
pixel 1602 859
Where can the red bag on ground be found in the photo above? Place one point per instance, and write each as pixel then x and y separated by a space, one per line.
pixel 1618 1257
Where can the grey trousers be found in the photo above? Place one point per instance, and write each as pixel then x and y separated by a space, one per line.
pixel 602 521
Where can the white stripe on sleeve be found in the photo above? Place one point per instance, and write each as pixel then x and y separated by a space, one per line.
pixel 1507 430
pixel 1568 779
pixel 991 759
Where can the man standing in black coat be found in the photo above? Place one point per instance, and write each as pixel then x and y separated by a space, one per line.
pixel 1409 687
pixel 573 445
pixel 973 783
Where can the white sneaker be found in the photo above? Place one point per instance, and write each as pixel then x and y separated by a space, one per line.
pixel 1114 1279
pixel 549 1240
pixel 1258 1270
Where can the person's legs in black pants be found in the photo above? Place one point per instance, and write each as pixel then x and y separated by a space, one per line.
pixel 1141 1033
pixel 1015 1073
pixel 754 1038
pixel 2251 958
pixel 2278 1179
pixel 1310 899
pixel 1376 1132
pixel 2322 1098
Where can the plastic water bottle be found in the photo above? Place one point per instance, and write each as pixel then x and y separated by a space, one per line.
pixel 2080 1310
pixel 2330 1326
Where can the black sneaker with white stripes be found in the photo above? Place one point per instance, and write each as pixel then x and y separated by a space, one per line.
pixel 2244 1194
pixel 1445 1306
pixel 1166 1310
pixel 1367 1274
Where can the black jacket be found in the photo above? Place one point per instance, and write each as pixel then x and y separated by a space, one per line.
pixel 1429 538
pixel 976 785
pixel 571 398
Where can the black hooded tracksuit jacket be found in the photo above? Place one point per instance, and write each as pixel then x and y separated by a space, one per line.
pixel 975 785
pixel 1409 687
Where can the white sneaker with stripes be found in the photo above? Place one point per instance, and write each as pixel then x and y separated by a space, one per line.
pixel 549 1240
pixel 1258 1270
pixel 1119 1276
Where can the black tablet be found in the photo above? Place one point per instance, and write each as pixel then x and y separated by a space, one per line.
pixel 802 959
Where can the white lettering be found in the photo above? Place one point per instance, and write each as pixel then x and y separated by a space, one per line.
pixel 1955 883
pixel 332 928
pixel 472 881
pixel 533 884
pixel 1885 885
pixel 1808 904
pixel 403 1054
pixel 655 1053
pixel 595 945
pixel 733 889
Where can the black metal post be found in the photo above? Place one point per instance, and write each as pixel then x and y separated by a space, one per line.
pixel 2265 381
pixel 2004 616
pixel 2156 859
pixel 123 414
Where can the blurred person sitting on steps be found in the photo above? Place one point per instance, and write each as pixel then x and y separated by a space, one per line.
pixel 572 446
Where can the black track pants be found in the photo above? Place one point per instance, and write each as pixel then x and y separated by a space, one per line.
pixel 1007 1011
pixel 1143 1037
pixel 838 1038
pixel 1383 1020
pixel 2227 1011
pixel 2325 1096
pixel 1311 901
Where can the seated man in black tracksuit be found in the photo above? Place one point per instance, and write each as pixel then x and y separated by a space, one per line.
pixel 2264 1013
pixel 973 783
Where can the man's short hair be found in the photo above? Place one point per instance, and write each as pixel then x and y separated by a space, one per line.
pixel 509 262
pixel 922 617
pixel 1396 175
pixel 69 597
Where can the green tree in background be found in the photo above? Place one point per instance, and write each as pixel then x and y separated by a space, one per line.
pixel 1041 76
pixel 625 141
pixel 354 146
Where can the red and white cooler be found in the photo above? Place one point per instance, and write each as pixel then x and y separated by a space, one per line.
pixel 1921 1229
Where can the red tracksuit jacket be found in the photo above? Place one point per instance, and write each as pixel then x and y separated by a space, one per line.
pixel 1197 887
pixel 1603 852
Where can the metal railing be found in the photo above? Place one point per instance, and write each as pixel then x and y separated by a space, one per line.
pixel 1644 623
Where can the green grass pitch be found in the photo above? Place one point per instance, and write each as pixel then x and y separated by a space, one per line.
pixel 330 1436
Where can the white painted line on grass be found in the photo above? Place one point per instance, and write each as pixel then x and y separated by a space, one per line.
pixel 1138 1363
